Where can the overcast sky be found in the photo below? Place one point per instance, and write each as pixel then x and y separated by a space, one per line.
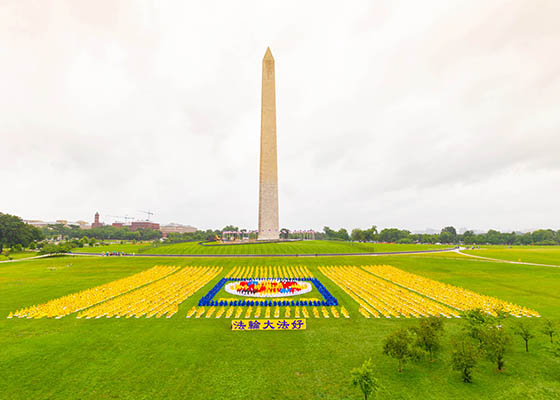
pixel 417 114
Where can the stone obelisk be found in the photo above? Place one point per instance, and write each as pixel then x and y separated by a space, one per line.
pixel 268 185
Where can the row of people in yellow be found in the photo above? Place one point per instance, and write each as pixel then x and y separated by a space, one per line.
pixel 276 312
pixel 379 297
pixel 263 272
pixel 454 296
pixel 158 299
pixel 71 303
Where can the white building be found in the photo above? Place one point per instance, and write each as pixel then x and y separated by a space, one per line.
pixel 176 228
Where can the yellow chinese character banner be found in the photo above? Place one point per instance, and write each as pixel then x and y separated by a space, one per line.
pixel 268 324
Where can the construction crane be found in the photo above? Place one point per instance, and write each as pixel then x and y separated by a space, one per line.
pixel 125 217
pixel 148 213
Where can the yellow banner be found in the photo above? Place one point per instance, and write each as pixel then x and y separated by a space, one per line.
pixel 268 324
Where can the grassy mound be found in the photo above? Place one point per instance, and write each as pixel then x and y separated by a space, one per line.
pixel 301 247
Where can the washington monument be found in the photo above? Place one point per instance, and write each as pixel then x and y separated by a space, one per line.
pixel 268 185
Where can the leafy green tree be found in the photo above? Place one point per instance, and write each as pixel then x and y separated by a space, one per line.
pixel 56 249
pixel 544 237
pixel 555 349
pixel 448 235
pixel 464 358
pixel 450 229
pixel 468 237
pixel 329 233
pixel 428 334
pixel 400 345
pixel 371 233
pixel 363 377
pixel 445 237
pixel 476 322
pixel 549 328
pixel 367 235
pixel 342 234
pixel 14 231
pixel 524 330
pixel 495 343
pixel 393 235
pixel 358 235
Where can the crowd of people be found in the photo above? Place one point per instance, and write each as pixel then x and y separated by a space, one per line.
pixel 117 253
pixel 453 296
pixel 159 299
pixel 380 297
pixel 71 303
pixel 386 291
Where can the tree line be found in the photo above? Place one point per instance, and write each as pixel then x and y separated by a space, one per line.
pixel 15 233
pixel 448 235
pixel 56 231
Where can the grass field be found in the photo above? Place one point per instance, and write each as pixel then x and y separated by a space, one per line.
pixel 125 248
pixel 301 247
pixel 532 254
pixel 18 255
pixel 203 359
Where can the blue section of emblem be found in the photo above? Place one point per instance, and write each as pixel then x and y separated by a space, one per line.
pixel 208 299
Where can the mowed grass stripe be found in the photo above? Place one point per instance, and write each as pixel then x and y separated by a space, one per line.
pixel 294 248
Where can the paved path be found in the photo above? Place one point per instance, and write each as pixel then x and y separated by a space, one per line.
pixel 395 253
pixel 48 255
pixel 24 259
pixel 458 251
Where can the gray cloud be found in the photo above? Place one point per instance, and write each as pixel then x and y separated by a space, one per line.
pixel 390 113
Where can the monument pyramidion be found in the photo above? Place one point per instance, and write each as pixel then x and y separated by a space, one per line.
pixel 268 182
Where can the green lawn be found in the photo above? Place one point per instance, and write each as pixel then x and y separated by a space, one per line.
pixel 301 247
pixel 532 254
pixel 202 359
pixel 125 248
pixel 18 255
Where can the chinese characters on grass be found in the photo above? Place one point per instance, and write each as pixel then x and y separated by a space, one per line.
pixel 268 325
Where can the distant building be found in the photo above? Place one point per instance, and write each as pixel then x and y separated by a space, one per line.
pixel 83 224
pixel 176 228
pixel 41 224
pixel 35 222
pixel 134 226
pixel 96 222
pixel 117 224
